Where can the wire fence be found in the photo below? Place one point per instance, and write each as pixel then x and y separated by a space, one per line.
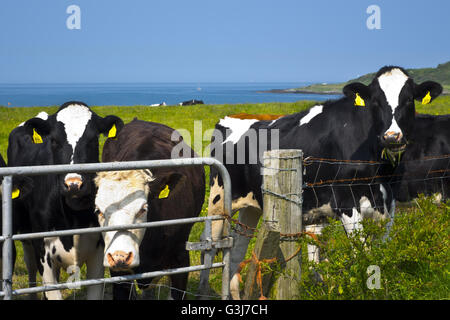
pixel 152 291
pixel 370 181
pixel 357 181
pixel 376 179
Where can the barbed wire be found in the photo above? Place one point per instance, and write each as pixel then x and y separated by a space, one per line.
pixel 145 292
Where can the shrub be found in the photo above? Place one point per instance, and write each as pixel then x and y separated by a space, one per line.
pixel 413 262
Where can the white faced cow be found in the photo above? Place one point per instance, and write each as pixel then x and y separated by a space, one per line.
pixel 136 196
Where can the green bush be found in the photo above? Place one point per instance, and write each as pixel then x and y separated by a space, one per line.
pixel 413 262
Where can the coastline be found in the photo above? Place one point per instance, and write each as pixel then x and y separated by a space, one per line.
pixel 301 91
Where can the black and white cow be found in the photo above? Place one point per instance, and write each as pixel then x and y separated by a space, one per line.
pixel 191 102
pixel 136 196
pixel 425 163
pixel 61 201
pixel 20 189
pixel 356 127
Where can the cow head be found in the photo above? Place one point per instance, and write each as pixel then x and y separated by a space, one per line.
pixel 390 98
pixel 123 198
pixel 70 136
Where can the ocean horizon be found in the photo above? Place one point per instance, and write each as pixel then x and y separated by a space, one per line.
pixel 128 94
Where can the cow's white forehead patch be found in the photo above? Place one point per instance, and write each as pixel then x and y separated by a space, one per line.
pixel 313 112
pixel 392 83
pixel 118 189
pixel 237 126
pixel 75 118
pixel 113 195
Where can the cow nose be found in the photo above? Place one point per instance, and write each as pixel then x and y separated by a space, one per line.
pixel 120 259
pixel 73 183
pixel 392 137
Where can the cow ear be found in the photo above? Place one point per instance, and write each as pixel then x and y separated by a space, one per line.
pixel 22 187
pixel 427 91
pixel 37 128
pixel 357 92
pixel 110 126
pixel 165 185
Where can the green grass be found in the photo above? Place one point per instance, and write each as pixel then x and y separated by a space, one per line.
pixel 179 118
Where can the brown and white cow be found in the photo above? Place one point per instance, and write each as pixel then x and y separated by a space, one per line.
pixel 136 196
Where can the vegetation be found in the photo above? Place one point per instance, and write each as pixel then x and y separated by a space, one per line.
pixel 439 74
pixel 413 264
pixel 339 272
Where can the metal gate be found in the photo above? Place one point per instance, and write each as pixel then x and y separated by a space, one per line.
pixel 8 237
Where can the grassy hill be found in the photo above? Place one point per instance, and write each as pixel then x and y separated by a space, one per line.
pixel 439 74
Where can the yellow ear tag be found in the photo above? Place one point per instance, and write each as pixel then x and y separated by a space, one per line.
pixel 359 101
pixel 112 132
pixel 427 98
pixel 15 193
pixel 164 193
pixel 36 137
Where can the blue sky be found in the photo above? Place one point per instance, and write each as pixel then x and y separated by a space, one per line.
pixel 216 41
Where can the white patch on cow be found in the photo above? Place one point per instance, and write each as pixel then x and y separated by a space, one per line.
pixel 353 223
pixel 43 115
pixel 122 199
pixel 73 176
pixel 367 211
pixel 313 112
pixel 85 249
pixel 75 119
pixel 392 83
pixel 237 126
pixel 273 122
pixel 385 197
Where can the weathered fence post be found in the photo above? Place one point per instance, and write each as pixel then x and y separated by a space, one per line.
pixel 282 216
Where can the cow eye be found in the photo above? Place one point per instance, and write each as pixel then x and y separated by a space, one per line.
pixel 98 213
pixel 142 211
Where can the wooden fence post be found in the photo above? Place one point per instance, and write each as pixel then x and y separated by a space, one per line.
pixel 282 216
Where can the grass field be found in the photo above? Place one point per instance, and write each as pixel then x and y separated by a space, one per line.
pixel 179 118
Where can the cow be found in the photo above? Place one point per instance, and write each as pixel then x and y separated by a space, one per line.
pixel 191 102
pixel 425 163
pixel 358 127
pixel 61 201
pixel 136 196
pixel 20 188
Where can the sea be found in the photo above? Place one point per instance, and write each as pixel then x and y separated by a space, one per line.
pixel 128 94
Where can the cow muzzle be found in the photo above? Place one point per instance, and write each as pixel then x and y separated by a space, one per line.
pixel 120 260
pixel 393 147
pixel 73 182
pixel 392 137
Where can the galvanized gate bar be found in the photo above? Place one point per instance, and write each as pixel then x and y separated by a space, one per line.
pixel 8 238
pixel 130 277
pixel 61 233
pixel 7 230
